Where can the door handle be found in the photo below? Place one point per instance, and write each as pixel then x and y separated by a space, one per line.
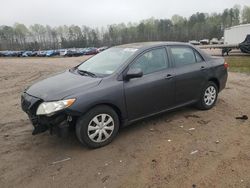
pixel 203 68
pixel 169 76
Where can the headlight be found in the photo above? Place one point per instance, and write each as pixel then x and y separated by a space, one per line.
pixel 48 108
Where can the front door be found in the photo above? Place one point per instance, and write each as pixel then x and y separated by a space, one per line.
pixel 154 91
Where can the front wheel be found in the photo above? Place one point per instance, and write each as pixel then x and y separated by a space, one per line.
pixel 208 97
pixel 98 127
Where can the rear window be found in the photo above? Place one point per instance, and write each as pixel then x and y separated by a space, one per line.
pixel 182 56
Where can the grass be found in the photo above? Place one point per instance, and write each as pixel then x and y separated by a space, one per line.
pixel 238 63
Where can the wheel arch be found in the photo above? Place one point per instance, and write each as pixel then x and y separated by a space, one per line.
pixel 216 81
pixel 111 105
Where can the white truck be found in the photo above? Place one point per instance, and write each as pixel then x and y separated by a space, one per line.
pixel 236 34
pixel 236 37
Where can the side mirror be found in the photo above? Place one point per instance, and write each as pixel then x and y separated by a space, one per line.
pixel 133 73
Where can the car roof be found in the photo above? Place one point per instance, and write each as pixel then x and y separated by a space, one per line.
pixel 143 45
pixel 146 45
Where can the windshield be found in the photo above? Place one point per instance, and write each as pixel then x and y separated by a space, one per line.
pixel 108 61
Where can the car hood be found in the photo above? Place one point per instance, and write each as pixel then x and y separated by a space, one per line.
pixel 62 85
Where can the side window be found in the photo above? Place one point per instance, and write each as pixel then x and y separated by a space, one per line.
pixel 152 61
pixel 182 56
pixel 198 57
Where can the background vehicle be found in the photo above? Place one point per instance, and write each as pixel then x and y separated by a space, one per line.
pixel 194 42
pixel 221 41
pixel 19 53
pixel 41 53
pixel 214 41
pixel 80 52
pixel 70 53
pixel 102 48
pixel 9 53
pixel 51 53
pixel 234 38
pixel 33 54
pixel 27 54
pixel 122 85
pixel 237 34
pixel 91 51
pixel 204 41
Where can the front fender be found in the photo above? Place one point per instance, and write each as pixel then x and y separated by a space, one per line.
pixel 109 93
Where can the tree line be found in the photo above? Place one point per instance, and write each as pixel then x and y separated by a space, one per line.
pixel 178 28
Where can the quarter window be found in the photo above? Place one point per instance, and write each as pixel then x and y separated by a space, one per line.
pixel 183 56
pixel 198 57
pixel 152 61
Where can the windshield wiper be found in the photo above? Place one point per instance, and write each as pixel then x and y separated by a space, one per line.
pixel 84 72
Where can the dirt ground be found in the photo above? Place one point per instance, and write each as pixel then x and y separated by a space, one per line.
pixel 185 148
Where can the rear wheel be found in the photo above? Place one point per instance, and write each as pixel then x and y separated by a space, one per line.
pixel 98 127
pixel 208 97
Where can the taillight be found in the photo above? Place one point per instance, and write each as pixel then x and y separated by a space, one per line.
pixel 226 65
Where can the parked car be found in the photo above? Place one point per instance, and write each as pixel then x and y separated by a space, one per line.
pixel 27 54
pixel 214 41
pixel 41 53
pixel 102 48
pixel 194 42
pixel 91 51
pixel 122 85
pixel 51 53
pixel 13 53
pixel 3 53
pixel 19 53
pixel 8 53
pixel 204 41
pixel 63 52
pixel 221 41
pixel 70 53
pixel 79 52
pixel 74 52
pixel 34 54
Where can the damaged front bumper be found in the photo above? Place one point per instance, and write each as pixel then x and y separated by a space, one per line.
pixel 58 123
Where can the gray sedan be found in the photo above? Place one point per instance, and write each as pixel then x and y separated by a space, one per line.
pixel 121 85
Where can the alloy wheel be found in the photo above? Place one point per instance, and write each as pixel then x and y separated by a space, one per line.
pixel 210 95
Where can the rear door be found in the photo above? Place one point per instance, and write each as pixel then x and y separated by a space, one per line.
pixel 154 91
pixel 191 73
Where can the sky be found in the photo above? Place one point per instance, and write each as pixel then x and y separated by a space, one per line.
pixel 100 13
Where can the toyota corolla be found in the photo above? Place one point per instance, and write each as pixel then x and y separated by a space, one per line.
pixel 121 85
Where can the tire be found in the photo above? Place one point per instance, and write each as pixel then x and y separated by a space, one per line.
pixel 208 97
pixel 101 120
